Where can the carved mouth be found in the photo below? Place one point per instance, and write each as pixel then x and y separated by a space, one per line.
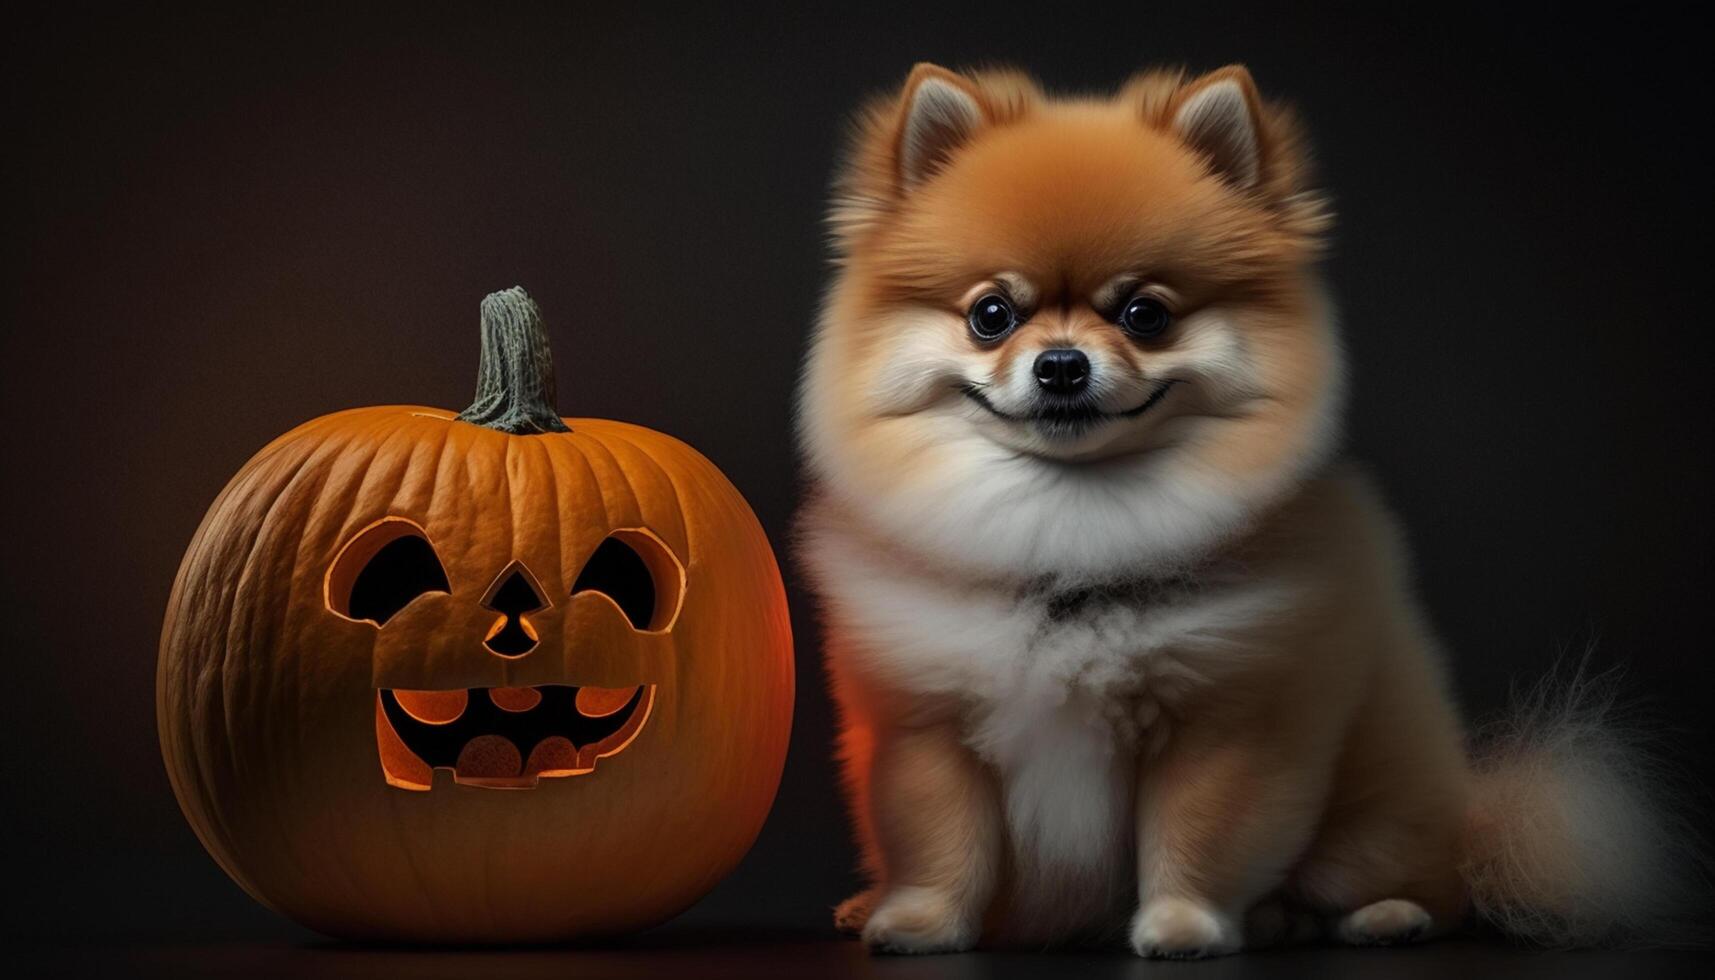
pixel 506 737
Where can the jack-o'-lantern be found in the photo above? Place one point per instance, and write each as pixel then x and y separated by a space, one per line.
pixel 480 677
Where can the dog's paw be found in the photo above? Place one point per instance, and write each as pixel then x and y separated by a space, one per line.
pixel 1388 922
pixel 851 914
pixel 918 920
pixel 1182 929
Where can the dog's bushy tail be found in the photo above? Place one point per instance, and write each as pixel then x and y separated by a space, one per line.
pixel 1577 834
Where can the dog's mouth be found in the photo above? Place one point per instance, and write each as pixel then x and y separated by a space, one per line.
pixel 1069 418
pixel 504 737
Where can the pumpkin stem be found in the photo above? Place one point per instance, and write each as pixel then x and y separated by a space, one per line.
pixel 515 378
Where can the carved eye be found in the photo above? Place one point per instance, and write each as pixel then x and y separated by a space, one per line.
pixel 382 569
pixel 640 574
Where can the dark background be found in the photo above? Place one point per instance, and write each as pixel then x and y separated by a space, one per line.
pixel 223 223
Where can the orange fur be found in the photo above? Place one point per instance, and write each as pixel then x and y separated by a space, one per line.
pixel 1247 727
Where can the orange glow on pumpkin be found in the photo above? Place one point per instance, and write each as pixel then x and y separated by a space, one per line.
pixel 434 707
pixel 515 698
pixel 364 559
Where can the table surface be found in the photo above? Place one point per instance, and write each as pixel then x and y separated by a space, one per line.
pixel 752 952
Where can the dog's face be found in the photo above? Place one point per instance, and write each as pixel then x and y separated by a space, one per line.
pixel 1074 336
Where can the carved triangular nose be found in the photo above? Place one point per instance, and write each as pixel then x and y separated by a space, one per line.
pixel 515 596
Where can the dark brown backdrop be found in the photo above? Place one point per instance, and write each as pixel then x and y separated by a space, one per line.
pixel 223 223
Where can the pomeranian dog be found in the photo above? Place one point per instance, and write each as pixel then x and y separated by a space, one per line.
pixel 1120 648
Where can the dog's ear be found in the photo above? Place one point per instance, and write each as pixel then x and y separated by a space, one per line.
pixel 904 137
pixel 938 111
pixel 1219 115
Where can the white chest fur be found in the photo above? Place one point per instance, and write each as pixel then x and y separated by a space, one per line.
pixel 1066 692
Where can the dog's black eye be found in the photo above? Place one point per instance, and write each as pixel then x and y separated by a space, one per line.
pixel 1145 318
pixel 992 317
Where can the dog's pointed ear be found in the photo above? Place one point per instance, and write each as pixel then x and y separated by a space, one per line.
pixel 939 111
pixel 1218 115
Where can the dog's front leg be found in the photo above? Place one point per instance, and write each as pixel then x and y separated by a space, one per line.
pixel 936 818
pixel 1222 813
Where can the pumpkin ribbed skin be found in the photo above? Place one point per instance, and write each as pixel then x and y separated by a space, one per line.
pixel 267 698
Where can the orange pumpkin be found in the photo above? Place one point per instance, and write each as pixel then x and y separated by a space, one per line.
pixel 392 616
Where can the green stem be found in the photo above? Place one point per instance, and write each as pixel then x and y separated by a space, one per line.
pixel 515 378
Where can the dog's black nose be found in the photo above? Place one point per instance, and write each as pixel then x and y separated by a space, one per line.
pixel 1062 370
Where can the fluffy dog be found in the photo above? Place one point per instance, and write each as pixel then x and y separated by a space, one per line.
pixel 1120 647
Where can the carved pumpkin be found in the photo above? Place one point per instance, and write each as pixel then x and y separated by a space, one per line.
pixel 489 677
